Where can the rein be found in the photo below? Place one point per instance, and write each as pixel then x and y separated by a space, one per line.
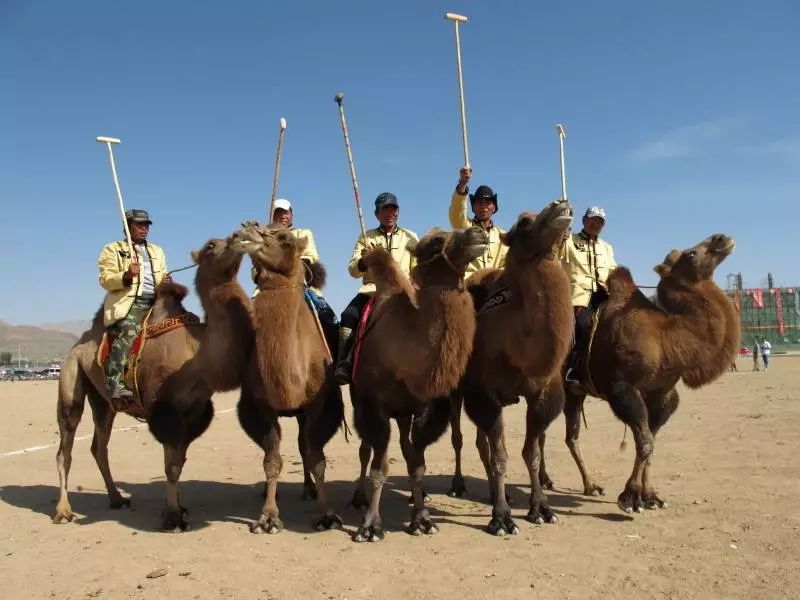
pixel 169 273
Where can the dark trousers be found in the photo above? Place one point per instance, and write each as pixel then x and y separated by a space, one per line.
pixel 352 314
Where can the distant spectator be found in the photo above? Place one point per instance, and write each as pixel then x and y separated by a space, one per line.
pixel 755 355
pixel 766 348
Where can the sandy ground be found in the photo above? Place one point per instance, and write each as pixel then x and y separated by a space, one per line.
pixel 726 463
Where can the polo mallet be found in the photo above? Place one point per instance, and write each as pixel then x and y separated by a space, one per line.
pixel 460 19
pixel 276 175
pixel 339 98
pixel 108 141
pixel 562 135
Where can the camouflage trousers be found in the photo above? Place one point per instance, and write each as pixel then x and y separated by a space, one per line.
pixel 124 331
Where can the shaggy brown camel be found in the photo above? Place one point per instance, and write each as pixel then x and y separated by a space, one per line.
pixel 291 371
pixel 640 351
pixel 524 331
pixel 177 404
pixel 431 329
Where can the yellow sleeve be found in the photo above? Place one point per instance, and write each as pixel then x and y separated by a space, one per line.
pixel 353 266
pixel 310 253
pixel 458 211
pixel 109 266
pixel 612 263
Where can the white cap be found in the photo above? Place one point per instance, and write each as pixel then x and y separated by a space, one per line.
pixel 595 211
pixel 283 203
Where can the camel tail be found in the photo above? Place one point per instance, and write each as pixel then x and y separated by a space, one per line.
pixel 433 423
pixel 624 444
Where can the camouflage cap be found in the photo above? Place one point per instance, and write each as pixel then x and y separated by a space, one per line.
pixel 137 215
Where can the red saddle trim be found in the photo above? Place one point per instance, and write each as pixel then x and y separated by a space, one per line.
pixel 362 331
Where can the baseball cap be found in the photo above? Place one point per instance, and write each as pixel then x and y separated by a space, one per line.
pixel 283 203
pixel 386 199
pixel 137 215
pixel 595 211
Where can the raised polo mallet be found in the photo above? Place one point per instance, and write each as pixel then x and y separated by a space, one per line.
pixel 108 141
pixel 276 175
pixel 460 19
pixel 339 98
pixel 562 135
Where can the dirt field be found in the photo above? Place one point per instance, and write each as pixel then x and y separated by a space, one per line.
pixel 726 463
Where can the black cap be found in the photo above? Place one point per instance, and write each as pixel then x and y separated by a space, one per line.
pixel 483 192
pixel 137 215
pixel 385 199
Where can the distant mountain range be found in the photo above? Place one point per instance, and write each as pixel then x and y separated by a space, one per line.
pixel 43 344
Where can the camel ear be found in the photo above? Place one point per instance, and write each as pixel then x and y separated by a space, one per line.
pixel 662 269
pixel 195 257
pixel 411 246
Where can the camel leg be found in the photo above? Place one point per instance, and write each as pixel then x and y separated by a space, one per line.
pixel 660 409
pixel 501 522
pixel 458 488
pixel 544 478
pixel 309 489
pixel 173 517
pixel 360 499
pixel 572 417
pixel 269 521
pixel 329 519
pixel 543 407
pixel 103 417
pixel 371 529
pixel 482 444
pixel 628 406
pixel 71 400
pixel 415 463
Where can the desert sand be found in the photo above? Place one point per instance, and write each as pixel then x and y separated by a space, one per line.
pixel 726 463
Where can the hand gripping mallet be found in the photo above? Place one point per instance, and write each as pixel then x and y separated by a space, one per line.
pixel 460 19
pixel 562 135
pixel 276 175
pixel 338 98
pixel 108 141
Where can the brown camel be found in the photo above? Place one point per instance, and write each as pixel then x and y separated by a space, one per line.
pixel 640 351
pixel 413 356
pixel 290 373
pixel 199 360
pixel 176 403
pixel 524 331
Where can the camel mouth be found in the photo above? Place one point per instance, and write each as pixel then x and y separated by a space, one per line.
pixel 562 222
pixel 727 248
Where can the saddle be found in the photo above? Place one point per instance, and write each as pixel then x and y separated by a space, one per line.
pixel 146 333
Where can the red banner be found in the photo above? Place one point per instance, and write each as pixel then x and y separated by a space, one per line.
pixel 758 298
pixel 779 308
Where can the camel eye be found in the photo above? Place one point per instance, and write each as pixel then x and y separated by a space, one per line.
pixel 691 254
pixel 210 246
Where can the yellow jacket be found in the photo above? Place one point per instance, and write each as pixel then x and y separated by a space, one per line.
pixel 395 242
pixel 112 263
pixel 588 263
pixel 495 255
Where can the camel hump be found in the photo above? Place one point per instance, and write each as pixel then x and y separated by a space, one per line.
pixel 170 289
pixel 318 275
pixel 620 283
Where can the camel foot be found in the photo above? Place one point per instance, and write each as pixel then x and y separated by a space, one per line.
pixel 369 533
pixel 174 519
pixel 359 499
pixel 425 497
pixel 592 489
pixel 503 525
pixel 119 501
pixel 541 515
pixel 545 481
pixel 458 489
pixel 266 524
pixel 63 514
pixel 329 521
pixel 652 501
pixel 630 501
pixel 421 523
pixel 309 491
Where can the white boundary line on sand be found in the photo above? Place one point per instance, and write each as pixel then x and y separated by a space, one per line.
pixel 86 437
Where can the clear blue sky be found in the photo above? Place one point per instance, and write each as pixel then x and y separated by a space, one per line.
pixel 682 120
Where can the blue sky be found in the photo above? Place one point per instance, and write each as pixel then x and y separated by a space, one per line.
pixel 682 120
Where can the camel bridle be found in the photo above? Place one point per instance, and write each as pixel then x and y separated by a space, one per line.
pixel 443 254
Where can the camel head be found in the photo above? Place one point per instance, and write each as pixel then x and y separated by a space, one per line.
pixel 538 236
pixel 442 256
pixel 272 248
pixel 698 262
pixel 218 260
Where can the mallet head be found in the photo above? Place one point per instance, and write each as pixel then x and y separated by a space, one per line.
pixel 108 140
pixel 339 97
pixel 455 17
pixel 283 123
pixel 561 131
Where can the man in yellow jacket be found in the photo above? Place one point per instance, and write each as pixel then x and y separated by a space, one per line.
pixel 130 292
pixel 387 235
pixel 484 206
pixel 588 260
